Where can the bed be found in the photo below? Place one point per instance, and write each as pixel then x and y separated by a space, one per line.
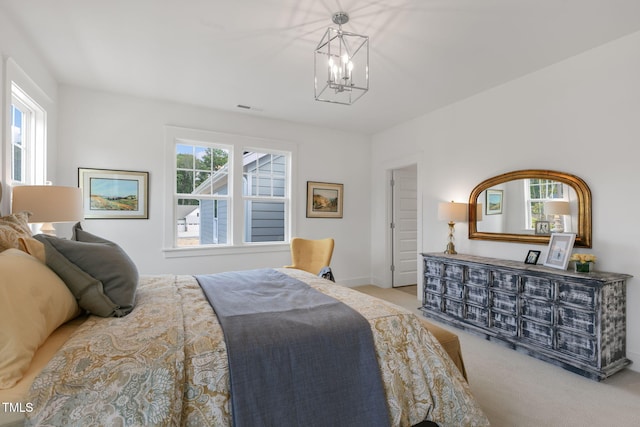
pixel 165 362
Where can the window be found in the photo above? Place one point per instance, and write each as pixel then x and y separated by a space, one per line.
pixel 28 142
pixel 18 131
pixel 264 190
pixel 226 191
pixel 202 196
pixel 537 192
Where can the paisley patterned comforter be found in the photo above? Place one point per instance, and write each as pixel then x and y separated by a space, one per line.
pixel 165 364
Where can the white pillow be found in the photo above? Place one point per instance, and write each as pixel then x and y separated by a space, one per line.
pixel 34 301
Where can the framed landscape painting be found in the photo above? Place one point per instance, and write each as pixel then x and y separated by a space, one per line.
pixel 494 202
pixel 324 200
pixel 114 194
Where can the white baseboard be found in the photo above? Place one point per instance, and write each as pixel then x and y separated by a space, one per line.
pixel 635 358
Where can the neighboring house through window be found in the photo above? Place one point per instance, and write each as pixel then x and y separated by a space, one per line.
pixel 264 193
pixel 228 190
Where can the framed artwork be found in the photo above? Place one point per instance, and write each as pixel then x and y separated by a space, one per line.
pixel 114 194
pixel 543 227
pixel 494 202
pixel 559 251
pixel 324 200
pixel 532 257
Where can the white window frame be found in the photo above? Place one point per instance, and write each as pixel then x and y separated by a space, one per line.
pixel 237 145
pixel 34 147
pixel 18 87
pixel 258 198
pixel 528 200
pixel 202 196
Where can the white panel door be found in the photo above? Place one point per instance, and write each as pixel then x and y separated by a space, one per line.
pixel 405 225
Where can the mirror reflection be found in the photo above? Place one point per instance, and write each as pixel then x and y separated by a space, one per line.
pixel 529 205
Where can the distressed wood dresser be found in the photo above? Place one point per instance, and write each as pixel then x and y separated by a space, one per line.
pixel 573 320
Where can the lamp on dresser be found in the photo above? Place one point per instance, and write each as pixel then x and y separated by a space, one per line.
pixel 452 212
pixel 48 204
pixel 558 209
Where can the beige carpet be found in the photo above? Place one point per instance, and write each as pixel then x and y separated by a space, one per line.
pixel 519 390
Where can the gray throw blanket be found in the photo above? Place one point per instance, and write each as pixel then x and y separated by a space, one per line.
pixel 297 357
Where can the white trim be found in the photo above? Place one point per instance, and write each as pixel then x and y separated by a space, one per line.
pixel 40 103
pixel 253 248
pixel 633 356
pixel 387 167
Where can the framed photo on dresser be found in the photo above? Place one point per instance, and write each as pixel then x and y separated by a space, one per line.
pixel 559 251
pixel 543 227
pixel 532 257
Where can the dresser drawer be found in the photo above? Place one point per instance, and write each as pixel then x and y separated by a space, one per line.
pixel 433 284
pixel 574 293
pixel 506 324
pixel 504 280
pixel 432 268
pixel 504 301
pixel 477 315
pixel 477 276
pixel 432 301
pixel 578 320
pixel 477 295
pixel 537 332
pixel 577 345
pixel 453 289
pixel 537 287
pixel 537 310
pixel 453 308
pixel 454 272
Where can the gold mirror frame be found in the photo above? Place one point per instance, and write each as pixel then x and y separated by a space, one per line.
pixel 583 235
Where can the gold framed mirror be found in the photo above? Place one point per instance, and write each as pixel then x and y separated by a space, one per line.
pixel 526 206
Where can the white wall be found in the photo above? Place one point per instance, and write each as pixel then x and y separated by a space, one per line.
pixel 580 116
pixel 108 131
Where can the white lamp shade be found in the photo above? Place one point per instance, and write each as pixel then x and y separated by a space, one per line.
pixel 451 211
pixel 557 208
pixel 48 203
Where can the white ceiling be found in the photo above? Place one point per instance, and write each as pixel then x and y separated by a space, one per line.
pixel 424 54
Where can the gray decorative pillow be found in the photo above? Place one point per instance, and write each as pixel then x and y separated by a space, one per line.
pixel 87 290
pixel 98 272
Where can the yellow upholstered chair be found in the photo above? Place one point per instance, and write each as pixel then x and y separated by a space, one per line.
pixel 311 255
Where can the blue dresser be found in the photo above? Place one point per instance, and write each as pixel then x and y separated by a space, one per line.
pixel 574 320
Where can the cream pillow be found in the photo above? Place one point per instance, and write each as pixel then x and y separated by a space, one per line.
pixel 33 247
pixel 12 227
pixel 34 301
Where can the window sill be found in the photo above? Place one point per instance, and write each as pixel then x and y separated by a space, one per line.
pixel 254 248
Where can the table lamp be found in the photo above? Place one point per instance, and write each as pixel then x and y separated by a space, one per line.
pixel 48 204
pixel 558 209
pixel 452 212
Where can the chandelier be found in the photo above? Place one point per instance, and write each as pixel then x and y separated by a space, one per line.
pixel 341 64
